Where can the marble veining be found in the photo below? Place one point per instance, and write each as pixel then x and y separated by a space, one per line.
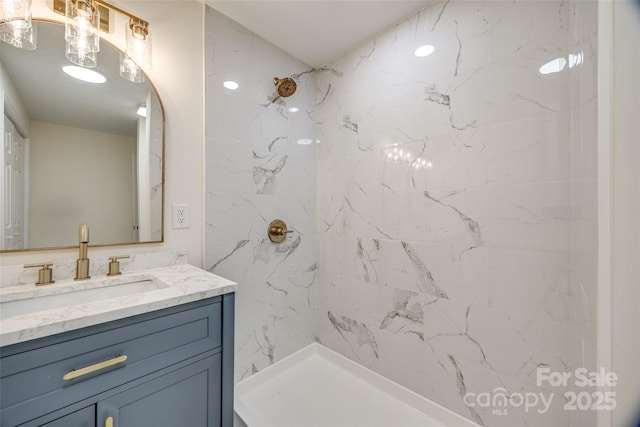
pixel 357 330
pixel 14 275
pixel 427 283
pixel 472 226
pixel 443 207
pixel 462 389
pixel 402 310
pixel 260 153
pixel 452 202
pixel 183 283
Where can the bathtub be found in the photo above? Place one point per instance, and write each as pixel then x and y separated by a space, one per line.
pixel 317 387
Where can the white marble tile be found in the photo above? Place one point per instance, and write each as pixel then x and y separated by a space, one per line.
pixel 238 240
pixel 532 149
pixel 353 257
pixel 414 365
pixel 437 270
pixel 488 239
pixel 263 337
pixel 348 336
pixel 522 25
pixel 259 168
pixel 548 409
pixel 467 273
pixel 228 166
pixel 584 143
pixel 530 284
pixel 532 216
pixel 513 88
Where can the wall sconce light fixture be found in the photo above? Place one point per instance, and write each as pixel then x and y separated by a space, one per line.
pixel 15 24
pixel 81 32
pixel 84 20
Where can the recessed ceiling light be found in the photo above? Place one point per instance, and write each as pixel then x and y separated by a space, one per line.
pixel 305 141
pixel 293 109
pixel 84 74
pixel 231 85
pixel 424 50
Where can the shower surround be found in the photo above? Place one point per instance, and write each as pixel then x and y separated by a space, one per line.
pixel 452 190
pixel 259 167
pixel 455 203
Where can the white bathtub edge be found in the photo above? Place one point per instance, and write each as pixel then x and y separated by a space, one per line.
pixel 412 399
pixel 241 410
pixel 402 393
pixel 271 371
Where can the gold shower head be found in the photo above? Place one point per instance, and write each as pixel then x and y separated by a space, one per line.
pixel 286 87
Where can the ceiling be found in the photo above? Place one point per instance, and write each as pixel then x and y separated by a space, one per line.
pixel 51 96
pixel 317 32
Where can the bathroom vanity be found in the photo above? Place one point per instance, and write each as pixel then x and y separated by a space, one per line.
pixel 162 356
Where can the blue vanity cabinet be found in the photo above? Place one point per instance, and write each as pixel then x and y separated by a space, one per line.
pixel 189 396
pixel 171 367
pixel 85 417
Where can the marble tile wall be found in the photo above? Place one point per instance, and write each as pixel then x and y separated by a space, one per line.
pixel 456 203
pixel 260 165
pixel 64 269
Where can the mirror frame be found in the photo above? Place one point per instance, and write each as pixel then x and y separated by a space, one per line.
pixel 99 245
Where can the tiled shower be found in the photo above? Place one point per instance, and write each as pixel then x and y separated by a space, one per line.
pixel 443 207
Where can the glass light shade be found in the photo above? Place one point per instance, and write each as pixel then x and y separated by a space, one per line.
pixel 17 36
pixel 129 70
pixel 138 44
pixel 82 26
pixel 84 58
pixel 17 13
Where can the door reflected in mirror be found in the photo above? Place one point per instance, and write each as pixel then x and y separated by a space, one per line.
pixel 77 151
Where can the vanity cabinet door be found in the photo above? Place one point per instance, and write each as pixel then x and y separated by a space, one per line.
pixel 83 418
pixel 32 379
pixel 189 396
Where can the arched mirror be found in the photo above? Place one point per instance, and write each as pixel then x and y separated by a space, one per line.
pixel 77 152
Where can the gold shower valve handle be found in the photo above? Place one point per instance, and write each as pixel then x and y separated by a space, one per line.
pixel 277 231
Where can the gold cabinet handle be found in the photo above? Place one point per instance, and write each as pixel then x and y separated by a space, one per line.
pixel 93 368
pixel 108 422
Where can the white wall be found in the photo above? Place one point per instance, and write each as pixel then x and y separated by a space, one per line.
pixel 625 188
pixel 12 104
pixel 59 201
pixel 177 31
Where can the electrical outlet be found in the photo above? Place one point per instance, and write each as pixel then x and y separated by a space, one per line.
pixel 181 216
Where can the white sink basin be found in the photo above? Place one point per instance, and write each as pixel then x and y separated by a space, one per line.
pixel 64 295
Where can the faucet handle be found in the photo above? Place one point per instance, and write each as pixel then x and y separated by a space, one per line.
pixel 45 273
pixel 114 265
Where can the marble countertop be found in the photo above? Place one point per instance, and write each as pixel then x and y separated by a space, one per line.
pixel 174 285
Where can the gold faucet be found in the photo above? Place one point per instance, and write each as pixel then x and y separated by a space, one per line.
pixel 82 264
